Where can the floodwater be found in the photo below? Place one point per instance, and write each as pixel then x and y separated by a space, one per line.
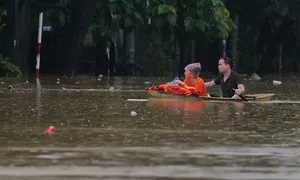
pixel 97 138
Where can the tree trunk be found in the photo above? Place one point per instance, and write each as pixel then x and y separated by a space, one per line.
pixel 131 46
pixel 119 46
pixel 181 36
pixel 112 60
pixel 280 52
pixel 224 47
pixel 129 62
pixel 193 50
pixel 22 35
pixel 235 43
pixel 177 57
pixel 102 59
pixel 297 49
pixel 224 41
pixel 81 19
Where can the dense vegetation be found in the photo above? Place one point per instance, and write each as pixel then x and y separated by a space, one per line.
pixel 154 37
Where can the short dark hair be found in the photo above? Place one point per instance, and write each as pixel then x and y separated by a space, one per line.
pixel 227 60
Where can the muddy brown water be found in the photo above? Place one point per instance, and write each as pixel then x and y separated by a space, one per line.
pixel 97 138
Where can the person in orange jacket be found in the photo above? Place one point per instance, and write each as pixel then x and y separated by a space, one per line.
pixel 192 79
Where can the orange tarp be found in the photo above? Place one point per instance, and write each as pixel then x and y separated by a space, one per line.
pixel 187 90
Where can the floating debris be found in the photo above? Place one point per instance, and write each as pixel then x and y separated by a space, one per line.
pixel 255 77
pixel 276 83
pixel 111 88
pixel 240 113
pixel 133 113
pixel 50 130
pixel 138 100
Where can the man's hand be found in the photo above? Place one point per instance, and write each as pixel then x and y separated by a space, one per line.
pixel 238 91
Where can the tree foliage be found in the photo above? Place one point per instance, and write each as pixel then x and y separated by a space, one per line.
pixel 209 16
pixel 7 68
pixel 164 27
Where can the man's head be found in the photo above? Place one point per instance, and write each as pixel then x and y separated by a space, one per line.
pixel 225 64
pixel 192 70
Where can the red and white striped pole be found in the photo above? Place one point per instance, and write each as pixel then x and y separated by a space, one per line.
pixel 37 68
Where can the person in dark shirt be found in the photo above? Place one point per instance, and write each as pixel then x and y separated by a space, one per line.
pixel 230 81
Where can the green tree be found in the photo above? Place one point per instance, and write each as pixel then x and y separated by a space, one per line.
pixel 7 68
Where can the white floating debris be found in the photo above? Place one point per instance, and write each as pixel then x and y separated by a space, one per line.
pixel 276 83
pixel 99 79
pixel 57 82
pixel 2 82
pixel 101 76
pixel 138 100
pixel 26 81
pixel 57 79
pixel 111 88
pixel 255 77
pixel 132 113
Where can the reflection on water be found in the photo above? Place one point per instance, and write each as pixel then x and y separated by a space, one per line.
pixel 193 112
pixel 97 138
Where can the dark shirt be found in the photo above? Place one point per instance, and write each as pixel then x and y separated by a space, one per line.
pixel 231 83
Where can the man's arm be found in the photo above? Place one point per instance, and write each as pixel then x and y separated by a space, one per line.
pixel 240 90
pixel 210 83
pixel 216 81
pixel 240 85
